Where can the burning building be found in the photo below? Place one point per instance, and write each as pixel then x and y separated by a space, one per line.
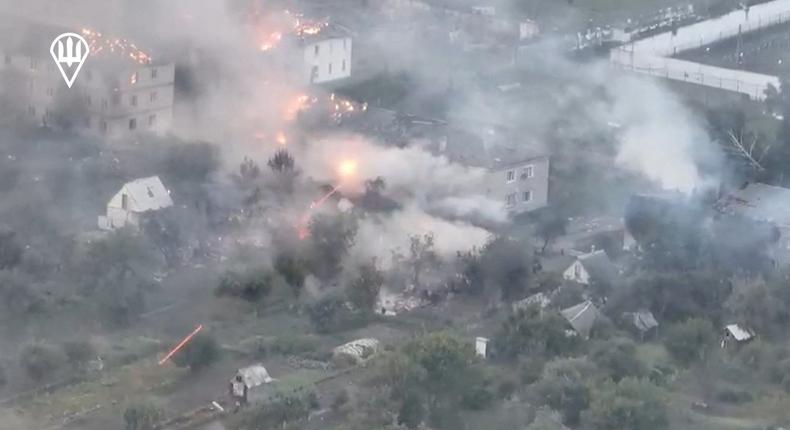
pixel 119 91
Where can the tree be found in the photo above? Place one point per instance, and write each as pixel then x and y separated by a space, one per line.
pixel 563 387
pixel 249 172
pixel 192 162
pixel 412 411
pixel 506 266
pixel 292 269
pixel 445 362
pixel 143 416
pixel 422 256
pixel 690 341
pixel 251 285
pixel 546 420
pixel 18 297
pixel 373 200
pixel 618 357
pixel 363 291
pixel 469 275
pixel 331 235
pixel 549 226
pixel 331 313
pixel 282 161
pixel 10 250
pixel 200 352
pixel 79 352
pixel 40 360
pixel 631 404
pixel 533 330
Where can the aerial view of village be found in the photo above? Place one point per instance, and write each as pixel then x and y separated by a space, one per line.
pixel 394 214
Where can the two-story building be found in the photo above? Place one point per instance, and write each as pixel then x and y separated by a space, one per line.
pixel 517 172
pixel 119 91
pixel 319 57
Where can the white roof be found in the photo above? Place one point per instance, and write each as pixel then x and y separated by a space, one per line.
pixel 739 333
pixel 254 375
pixel 360 348
pixel 147 194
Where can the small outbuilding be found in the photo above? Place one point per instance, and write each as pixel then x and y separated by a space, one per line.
pixel 735 334
pixel 581 317
pixel 356 351
pixel 134 200
pixel 249 384
pixel 592 267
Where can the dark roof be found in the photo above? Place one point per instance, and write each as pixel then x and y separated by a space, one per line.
pixel 643 319
pixel 581 317
pixel 599 266
pixel 492 148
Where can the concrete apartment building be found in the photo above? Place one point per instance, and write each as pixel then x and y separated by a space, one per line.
pixel 517 174
pixel 327 58
pixel 114 95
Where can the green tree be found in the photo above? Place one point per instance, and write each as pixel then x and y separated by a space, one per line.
pixel 564 387
pixel 191 162
pixel 292 269
pixel 143 416
pixel 200 352
pixel 40 360
pixel 446 361
pixel 618 357
pixel 79 352
pixel 412 412
pixel 331 236
pixel 533 330
pixel 282 161
pixel 422 256
pixel 363 291
pixel 506 266
pixel 631 404
pixel 251 285
pixel 690 341
pixel 550 224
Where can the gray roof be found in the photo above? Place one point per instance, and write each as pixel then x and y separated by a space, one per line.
pixel 493 148
pixel 581 317
pixel 599 266
pixel 739 333
pixel 254 375
pixel 148 194
pixel 643 320
pixel 760 202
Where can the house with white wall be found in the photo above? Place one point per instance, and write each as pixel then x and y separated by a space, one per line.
pixel 133 201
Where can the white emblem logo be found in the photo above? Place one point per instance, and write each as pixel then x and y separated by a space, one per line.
pixel 69 50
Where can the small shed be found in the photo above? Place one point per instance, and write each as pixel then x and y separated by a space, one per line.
pixel 592 267
pixel 581 317
pixel 736 334
pixel 481 346
pixel 356 351
pixel 642 320
pixel 249 384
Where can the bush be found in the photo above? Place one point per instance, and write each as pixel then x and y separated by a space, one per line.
pixel 631 404
pixel 200 352
pixel 618 357
pixel 690 340
pixel 734 396
pixel 252 285
pixel 531 370
pixel 142 416
pixel 341 399
pixel 293 345
pixel 41 360
pixel 477 399
pixel 331 314
pixel 79 352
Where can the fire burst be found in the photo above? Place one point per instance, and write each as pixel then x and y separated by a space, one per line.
pixel 98 43
pixel 302 227
pixel 181 344
pixel 347 168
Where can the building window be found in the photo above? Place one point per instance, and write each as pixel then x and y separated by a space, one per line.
pixel 154 73
pixel 33 64
pixel 132 124
pixel 87 122
pixel 153 96
pixel 510 176
pixel 31 110
pixel 329 69
pixel 124 201
pixel 103 126
pixel 577 271
pixel 7 60
pixel 51 92
pixel 344 44
pixel 315 50
pixel 133 100
pixel 527 172
pixel 526 196
pixel 344 65
pixel 116 99
pixel 511 199
pixel 151 120
pixel 133 78
pixel 88 100
pixel 103 103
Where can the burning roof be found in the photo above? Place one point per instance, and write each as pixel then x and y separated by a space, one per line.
pixel 270 28
pixel 101 44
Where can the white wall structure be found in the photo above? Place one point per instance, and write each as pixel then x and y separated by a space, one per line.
pixel 133 200
pixel 327 59
pixel 650 55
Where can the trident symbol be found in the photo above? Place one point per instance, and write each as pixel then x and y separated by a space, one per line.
pixel 69 49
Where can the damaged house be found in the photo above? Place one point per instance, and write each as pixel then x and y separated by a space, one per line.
pixel 248 386
pixel 133 201
pixel 592 267
pixel 517 172
pixel 581 318
pixel 119 92
pixel 321 57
